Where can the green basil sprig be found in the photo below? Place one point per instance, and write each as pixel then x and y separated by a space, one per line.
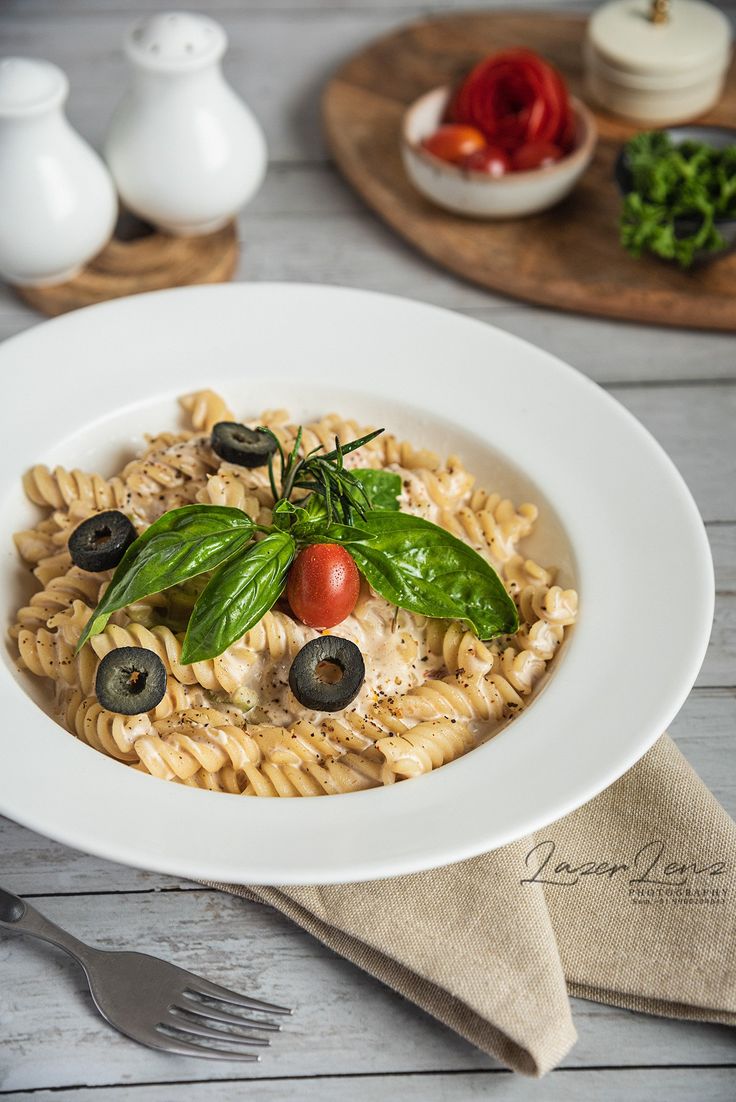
pixel 237 596
pixel 323 474
pixel 418 566
pixel 179 545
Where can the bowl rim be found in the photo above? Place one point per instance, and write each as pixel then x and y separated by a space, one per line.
pixel 579 155
pixel 621 170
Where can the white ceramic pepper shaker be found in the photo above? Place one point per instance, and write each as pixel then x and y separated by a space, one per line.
pixel 57 201
pixel 184 150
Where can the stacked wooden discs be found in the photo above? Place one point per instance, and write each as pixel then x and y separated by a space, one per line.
pixel 137 259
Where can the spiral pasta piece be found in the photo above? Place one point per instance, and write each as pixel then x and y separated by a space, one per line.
pixel 50 654
pixel 402 453
pixel 225 672
pixel 277 635
pixel 554 604
pixel 107 732
pixel 61 593
pixel 497 527
pixel 52 566
pixel 205 409
pixel 459 648
pixel 179 468
pixel 249 491
pixel 35 544
pixel 60 488
pixel 426 746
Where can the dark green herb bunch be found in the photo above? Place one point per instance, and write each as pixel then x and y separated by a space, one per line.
pixel 323 473
pixel 678 192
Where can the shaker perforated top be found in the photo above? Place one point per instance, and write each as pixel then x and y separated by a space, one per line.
pixel 175 41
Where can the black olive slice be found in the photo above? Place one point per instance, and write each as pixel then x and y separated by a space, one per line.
pixel 100 542
pixel 239 444
pixel 130 680
pixel 327 673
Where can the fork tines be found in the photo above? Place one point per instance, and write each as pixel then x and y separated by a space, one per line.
pixel 188 1027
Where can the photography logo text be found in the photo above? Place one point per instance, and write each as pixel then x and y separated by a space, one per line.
pixel 654 873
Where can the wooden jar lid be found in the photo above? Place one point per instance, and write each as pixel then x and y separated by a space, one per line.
pixel 138 259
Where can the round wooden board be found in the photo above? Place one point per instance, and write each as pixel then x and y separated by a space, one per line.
pixel 568 257
pixel 145 261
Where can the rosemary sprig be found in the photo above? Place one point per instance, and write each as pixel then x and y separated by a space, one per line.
pixel 323 474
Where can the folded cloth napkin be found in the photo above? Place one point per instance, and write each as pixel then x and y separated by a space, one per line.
pixel 629 901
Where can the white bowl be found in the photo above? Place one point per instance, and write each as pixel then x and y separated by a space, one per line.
pixel 477 194
pixel 614 512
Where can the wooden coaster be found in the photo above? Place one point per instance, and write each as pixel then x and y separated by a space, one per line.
pixel 568 257
pixel 137 259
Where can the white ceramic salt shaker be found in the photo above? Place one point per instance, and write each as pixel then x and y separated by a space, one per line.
pixel 184 150
pixel 57 201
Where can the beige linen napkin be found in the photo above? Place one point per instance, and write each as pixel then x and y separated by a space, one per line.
pixel 627 901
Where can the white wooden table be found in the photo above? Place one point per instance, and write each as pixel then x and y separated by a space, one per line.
pixel 351 1038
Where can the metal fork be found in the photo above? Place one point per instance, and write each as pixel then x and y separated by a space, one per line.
pixel 150 1000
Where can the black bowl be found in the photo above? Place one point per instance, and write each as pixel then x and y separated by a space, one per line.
pixel 717 136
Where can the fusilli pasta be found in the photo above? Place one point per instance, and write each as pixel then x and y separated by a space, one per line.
pixel 433 690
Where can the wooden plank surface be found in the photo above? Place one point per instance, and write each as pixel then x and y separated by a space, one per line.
pixel 351 1037
pixel 635 1085
pixel 346 1022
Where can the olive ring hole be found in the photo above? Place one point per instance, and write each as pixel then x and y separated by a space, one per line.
pixel 134 680
pixel 101 535
pixel 329 672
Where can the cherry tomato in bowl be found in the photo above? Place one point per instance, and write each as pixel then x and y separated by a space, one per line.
pixel 453 143
pixel 535 155
pixel 323 585
pixel 491 160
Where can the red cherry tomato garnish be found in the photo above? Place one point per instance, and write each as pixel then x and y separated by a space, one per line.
pixel 535 155
pixel 492 160
pixel 323 585
pixel 454 143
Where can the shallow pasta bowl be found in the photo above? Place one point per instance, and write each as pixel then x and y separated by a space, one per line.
pixel 525 423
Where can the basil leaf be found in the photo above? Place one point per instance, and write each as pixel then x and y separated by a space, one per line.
pixel 179 545
pixel 319 531
pixel 308 523
pixel 238 595
pixel 342 533
pixel 314 508
pixel 420 567
pixel 382 487
pixel 284 514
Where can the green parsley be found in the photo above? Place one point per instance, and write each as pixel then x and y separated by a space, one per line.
pixel 678 193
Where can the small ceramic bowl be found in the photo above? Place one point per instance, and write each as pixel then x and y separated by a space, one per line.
pixel 717 136
pixel 477 194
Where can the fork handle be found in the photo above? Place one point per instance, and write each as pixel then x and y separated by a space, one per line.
pixel 20 917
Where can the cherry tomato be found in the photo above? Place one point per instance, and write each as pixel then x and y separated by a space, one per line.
pixel 454 143
pixel 492 160
pixel 323 585
pixel 535 155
